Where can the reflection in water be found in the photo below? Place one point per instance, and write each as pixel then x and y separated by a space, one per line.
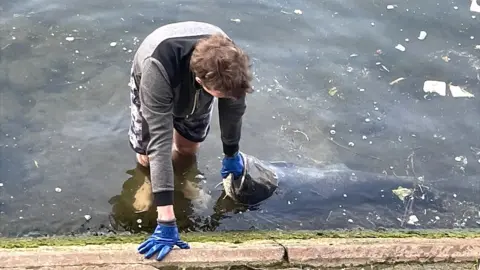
pixel 133 210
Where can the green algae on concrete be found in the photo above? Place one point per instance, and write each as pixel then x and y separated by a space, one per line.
pixel 233 237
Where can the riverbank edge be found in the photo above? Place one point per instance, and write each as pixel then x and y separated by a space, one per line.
pixel 235 237
pixel 316 250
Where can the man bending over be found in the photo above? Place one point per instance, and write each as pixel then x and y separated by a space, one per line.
pixel 176 74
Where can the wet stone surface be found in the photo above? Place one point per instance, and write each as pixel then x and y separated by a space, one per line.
pixel 332 87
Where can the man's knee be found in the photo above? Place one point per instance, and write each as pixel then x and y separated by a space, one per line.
pixel 186 150
pixel 183 146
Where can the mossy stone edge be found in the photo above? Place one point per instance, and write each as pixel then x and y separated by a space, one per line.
pixel 232 237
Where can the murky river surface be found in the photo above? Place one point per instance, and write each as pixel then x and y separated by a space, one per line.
pixel 64 149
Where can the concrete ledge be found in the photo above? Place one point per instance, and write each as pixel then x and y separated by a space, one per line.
pixel 362 252
pixel 201 254
pixel 276 254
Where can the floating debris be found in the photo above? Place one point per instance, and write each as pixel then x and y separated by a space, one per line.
pixel 235 20
pixel 88 217
pixel 351 144
pixel 36 163
pixel 402 192
pixel 400 47
pixel 390 7
pixel 350 220
pixel 412 220
pixel 1 184
pixel 422 35
pixel 139 221
pixel 435 87
pixel 446 58
pixel 474 7
pixel 457 91
pixel 200 177
pixel 113 44
pixel 57 189
pixel 462 159
pixel 332 132
pixel 397 80
pixel 298 11
pixel 70 39
pixel 332 91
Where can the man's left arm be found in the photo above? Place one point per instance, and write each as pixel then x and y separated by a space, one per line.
pixel 230 119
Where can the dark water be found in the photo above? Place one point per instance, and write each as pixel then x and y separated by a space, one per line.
pixel 64 110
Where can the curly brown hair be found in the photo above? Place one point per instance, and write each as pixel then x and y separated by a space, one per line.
pixel 222 66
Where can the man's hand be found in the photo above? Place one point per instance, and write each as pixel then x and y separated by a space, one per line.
pixel 163 239
pixel 233 165
pixel 142 159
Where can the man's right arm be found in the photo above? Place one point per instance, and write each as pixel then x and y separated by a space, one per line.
pixel 156 100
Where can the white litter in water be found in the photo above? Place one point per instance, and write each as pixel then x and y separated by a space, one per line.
pixel 139 221
pixel 298 11
pixel 400 47
pixel 69 38
pixel 88 217
pixel 457 91
pixel 113 44
pixel 435 87
pixel 350 220
pixel 412 220
pixel 58 189
pixel 422 35
pixel 389 7
pixel 332 132
pixel 474 7
pixel 1 184
pixel 235 20
pixel 351 144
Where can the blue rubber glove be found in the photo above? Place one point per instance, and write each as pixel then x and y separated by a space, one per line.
pixel 233 165
pixel 163 239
